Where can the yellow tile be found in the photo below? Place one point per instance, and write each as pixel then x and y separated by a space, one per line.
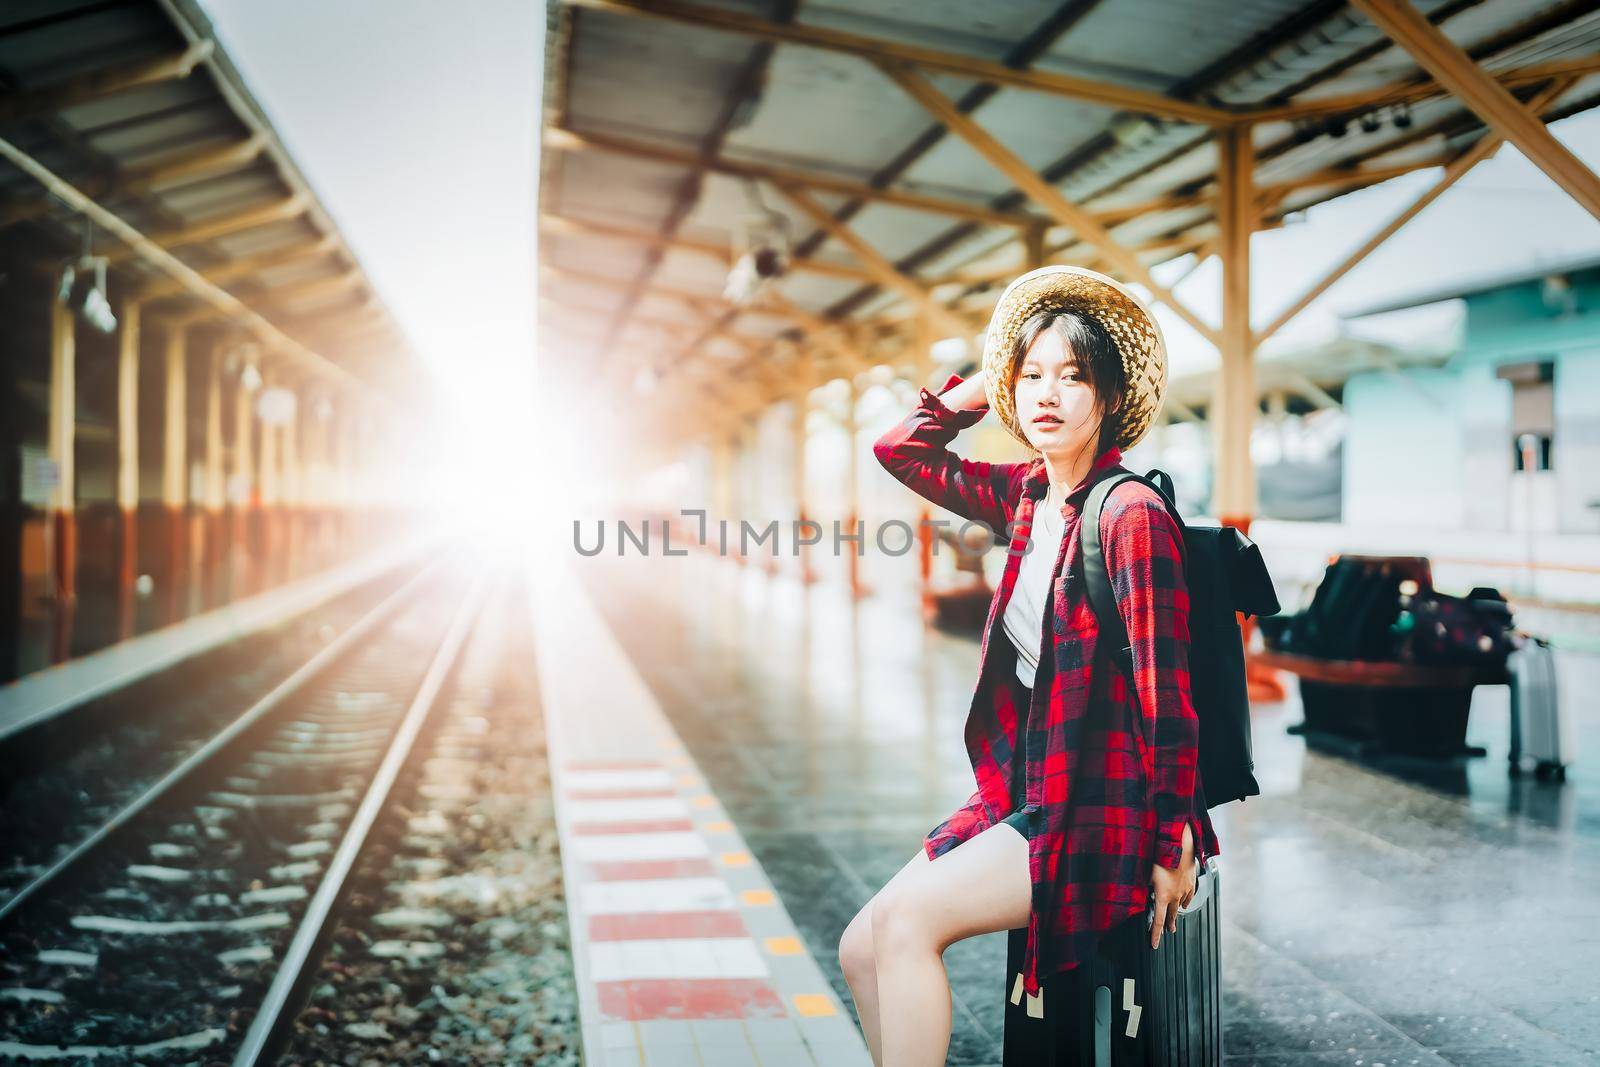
pixel 735 859
pixel 756 898
pixel 813 1004
pixel 784 946
pixel 722 826
pixel 704 800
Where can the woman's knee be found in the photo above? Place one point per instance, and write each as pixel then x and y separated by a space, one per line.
pixel 855 947
pixel 899 922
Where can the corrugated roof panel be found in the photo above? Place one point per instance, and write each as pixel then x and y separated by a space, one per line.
pixel 687 70
pixel 896 231
pixel 822 106
pixel 1037 127
pixel 91 40
pixel 1154 44
pixel 225 194
pixel 602 187
pixel 694 271
pixel 987 31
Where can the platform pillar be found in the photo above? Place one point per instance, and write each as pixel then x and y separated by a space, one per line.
pixel 1234 405
pixel 127 465
pixel 291 492
pixel 802 407
pixel 61 521
pixel 852 488
pixel 242 496
pixel 175 470
pixel 214 528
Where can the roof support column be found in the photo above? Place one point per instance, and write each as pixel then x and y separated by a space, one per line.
pixel 213 528
pixel 270 479
pixel 127 464
pixel 175 467
pixel 1234 406
pixel 852 488
pixel 242 492
pixel 723 444
pixel 803 521
pixel 1488 99
pixel 292 491
pixel 62 519
pixel 1233 493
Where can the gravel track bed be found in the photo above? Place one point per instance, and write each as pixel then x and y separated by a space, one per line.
pixel 159 953
pixel 63 780
pixel 453 945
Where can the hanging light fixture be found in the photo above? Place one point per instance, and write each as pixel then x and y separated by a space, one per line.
pixel 83 286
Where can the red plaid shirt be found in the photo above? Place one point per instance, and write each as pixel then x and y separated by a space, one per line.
pixel 1111 769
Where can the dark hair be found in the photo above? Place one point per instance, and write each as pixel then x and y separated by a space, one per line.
pixel 1098 358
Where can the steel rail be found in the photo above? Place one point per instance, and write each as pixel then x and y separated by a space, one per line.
pixel 276 1015
pixel 263 707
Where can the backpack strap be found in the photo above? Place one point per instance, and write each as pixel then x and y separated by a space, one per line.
pixel 1096 578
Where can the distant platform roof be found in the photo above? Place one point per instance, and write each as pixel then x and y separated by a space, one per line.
pixel 674 130
pixel 136 105
pixel 1483 284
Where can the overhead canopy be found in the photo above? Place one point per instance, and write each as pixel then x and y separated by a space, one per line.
pixel 920 155
pixel 134 105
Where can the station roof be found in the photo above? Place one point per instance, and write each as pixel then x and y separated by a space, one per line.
pixel 136 105
pixel 1475 286
pixel 670 126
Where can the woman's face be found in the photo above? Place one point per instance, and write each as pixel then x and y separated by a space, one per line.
pixel 1055 405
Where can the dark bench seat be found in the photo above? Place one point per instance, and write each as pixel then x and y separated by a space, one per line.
pixel 1384 706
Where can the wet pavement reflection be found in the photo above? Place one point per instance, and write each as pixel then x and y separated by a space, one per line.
pixel 1393 912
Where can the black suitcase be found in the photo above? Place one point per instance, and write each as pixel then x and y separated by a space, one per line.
pixel 1128 1004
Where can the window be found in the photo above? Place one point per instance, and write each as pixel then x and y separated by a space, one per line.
pixel 1533 419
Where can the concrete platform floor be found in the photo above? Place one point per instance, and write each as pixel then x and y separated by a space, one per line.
pixel 1402 914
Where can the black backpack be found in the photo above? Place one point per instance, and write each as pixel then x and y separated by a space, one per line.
pixel 1225 574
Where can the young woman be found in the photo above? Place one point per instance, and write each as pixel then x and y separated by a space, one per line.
pixel 1088 808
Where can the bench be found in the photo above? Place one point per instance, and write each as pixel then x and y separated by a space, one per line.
pixel 1402 708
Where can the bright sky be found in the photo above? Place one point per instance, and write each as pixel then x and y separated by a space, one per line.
pixel 416 124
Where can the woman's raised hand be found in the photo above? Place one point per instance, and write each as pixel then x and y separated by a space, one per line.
pixel 1172 889
pixel 968 393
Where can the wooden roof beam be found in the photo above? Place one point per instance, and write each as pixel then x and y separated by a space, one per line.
pixel 277 211
pixel 568 140
pixel 1487 98
pixel 566 224
pixel 878 49
pixel 243 268
pixel 1457 169
pixel 109 81
pixel 882 271
pixel 135 181
pixel 1412 92
pixel 1042 192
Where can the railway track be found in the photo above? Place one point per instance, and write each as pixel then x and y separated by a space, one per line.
pixel 182 927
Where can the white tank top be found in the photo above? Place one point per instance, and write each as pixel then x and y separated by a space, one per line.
pixel 1023 619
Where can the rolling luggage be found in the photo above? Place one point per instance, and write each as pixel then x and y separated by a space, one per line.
pixel 1128 1004
pixel 1539 732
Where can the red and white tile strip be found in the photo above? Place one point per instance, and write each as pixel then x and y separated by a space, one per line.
pixel 684 956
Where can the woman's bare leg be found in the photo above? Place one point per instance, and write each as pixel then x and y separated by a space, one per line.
pixel 856 959
pixel 981 886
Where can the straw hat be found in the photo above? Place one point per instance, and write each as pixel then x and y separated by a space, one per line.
pixel 1088 292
